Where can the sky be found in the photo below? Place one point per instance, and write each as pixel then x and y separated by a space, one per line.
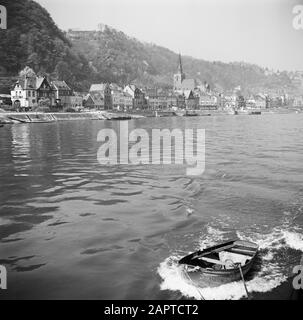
pixel 254 31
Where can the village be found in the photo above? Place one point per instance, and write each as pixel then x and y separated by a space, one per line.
pixel 39 94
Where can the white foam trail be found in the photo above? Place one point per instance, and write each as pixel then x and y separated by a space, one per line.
pixel 277 239
pixel 173 280
pixel 269 277
pixel 169 271
pixel 212 237
pixel 294 240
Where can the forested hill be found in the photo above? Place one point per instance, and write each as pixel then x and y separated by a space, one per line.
pixel 120 58
pixel 80 58
pixel 33 39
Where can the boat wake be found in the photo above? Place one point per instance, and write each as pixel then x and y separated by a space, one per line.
pixel 277 256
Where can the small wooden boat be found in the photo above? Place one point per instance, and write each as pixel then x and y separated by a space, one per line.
pixel 233 112
pixel 18 120
pixel 41 118
pixel 121 118
pixel 254 113
pixel 190 114
pixel 221 263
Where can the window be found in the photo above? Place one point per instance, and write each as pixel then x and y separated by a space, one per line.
pixel 29 93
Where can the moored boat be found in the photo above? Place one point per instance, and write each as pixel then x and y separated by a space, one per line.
pixel 190 113
pixel 19 120
pixel 220 264
pixel 255 112
pixel 233 112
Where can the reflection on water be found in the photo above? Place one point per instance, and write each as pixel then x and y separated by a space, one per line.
pixel 72 228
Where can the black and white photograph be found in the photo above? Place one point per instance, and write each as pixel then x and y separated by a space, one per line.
pixel 151 150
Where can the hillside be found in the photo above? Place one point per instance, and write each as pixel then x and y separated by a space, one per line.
pixel 108 55
pixel 33 39
pixel 119 58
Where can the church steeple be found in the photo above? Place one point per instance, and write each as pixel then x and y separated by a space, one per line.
pixel 179 76
pixel 180 68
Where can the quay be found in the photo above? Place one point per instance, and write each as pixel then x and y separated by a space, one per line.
pixel 39 117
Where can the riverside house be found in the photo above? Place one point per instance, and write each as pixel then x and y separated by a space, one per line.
pixel 44 90
pixel 101 96
pixel 5 99
pixel 138 96
pixel 28 91
pixel 176 101
pixel 156 101
pixel 126 101
pixel 260 100
pixel 62 93
pixel 121 100
pixel 95 101
pixel 298 102
pixel 207 101
pixel 191 101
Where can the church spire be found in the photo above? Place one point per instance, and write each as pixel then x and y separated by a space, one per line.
pixel 180 68
pixel 179 76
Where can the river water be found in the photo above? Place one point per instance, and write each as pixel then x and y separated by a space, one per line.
pixel 72 228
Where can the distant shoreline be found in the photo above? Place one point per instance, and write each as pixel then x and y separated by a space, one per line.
pixel 32 117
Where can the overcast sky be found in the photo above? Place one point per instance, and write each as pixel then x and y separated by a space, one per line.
pixel 256 31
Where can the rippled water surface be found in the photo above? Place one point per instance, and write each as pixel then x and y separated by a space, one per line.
pixel 72 228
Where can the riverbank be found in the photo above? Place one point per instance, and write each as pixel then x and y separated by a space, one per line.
pixel 39 117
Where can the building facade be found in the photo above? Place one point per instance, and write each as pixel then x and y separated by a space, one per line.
pixel 207 101
pixel 102 92
pixel 44 90
pixel 191 101
pixel 62 93
pixel 28 91
pixel 138 96
pixel 94 101
pixel 180 82
pixel 156 102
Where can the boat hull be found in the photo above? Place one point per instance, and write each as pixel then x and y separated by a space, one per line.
pixel 213 278
pixel 210 272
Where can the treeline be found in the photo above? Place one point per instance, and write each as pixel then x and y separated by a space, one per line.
pixel 33 39
pixel 119 58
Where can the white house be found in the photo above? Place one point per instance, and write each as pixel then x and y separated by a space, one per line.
pixel 29 90
pixel 24 93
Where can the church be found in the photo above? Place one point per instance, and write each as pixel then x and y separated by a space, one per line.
pixel 182 84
